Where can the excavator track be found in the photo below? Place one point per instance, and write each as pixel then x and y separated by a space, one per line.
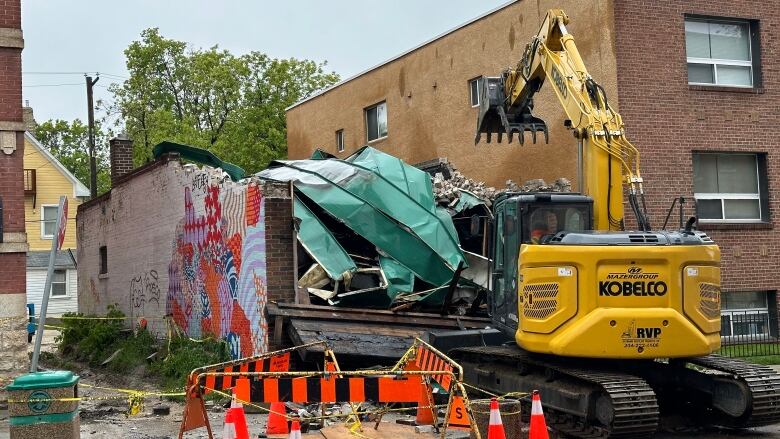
pixel 762 383
pixel 625 407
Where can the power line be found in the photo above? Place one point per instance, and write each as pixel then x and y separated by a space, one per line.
pixel 96 73
pixel 53 85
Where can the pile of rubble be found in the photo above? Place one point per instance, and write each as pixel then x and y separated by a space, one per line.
pixel 447 191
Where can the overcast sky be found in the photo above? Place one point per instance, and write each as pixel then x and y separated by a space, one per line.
pixel 78 36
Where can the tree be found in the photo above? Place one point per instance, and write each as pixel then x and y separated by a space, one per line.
pixel 69 143
pixel 231 105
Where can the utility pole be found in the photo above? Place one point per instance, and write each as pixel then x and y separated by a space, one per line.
pixel 91 119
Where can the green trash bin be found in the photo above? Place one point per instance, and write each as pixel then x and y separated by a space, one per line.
pixel 42 405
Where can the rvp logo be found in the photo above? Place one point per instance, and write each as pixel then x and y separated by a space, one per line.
pixel 648 332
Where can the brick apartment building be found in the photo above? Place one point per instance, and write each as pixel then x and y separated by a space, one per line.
pixel 696 85
pixel 13 242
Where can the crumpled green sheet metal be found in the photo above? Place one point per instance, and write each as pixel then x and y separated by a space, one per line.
pixel 384 200
pixel 321 244
pixel 467 200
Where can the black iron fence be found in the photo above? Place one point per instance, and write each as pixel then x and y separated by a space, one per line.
pixel 748 334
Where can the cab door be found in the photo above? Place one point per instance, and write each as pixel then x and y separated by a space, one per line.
pixel 505 252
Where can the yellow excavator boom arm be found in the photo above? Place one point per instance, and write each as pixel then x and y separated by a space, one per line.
pixel 607 159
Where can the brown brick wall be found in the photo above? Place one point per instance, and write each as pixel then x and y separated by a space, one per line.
pixel 279 249
pixel 428 108
pixel 668 120
pixel 13 273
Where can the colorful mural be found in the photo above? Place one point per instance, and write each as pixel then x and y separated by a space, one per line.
pixel 217 274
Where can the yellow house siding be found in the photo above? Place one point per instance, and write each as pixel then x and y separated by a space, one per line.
pixel 50 184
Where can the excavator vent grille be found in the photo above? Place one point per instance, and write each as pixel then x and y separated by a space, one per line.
pixel 540 300
pixel 709 300
pixel 644 238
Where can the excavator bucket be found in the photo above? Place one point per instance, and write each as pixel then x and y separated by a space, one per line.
pixel 495 119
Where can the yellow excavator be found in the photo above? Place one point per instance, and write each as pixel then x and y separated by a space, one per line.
pixel 614 327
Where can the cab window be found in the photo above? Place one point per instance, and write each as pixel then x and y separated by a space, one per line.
pixel 550 219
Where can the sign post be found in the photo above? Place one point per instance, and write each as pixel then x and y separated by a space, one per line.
pixel 56 244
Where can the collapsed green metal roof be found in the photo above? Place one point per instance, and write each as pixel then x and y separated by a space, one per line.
pixel 387 202
pixel 199 155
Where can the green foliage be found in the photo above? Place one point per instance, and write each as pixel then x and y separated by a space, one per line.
pixel 757 353
pixel 69 143
pixel 185 355
pixel 90 340
pixel 210 98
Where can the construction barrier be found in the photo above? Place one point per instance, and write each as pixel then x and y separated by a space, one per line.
pixel 265 379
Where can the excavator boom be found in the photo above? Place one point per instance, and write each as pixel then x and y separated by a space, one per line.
pixel 607 160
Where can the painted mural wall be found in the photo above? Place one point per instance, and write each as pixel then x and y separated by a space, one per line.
pixel 217 274
pixel 188 244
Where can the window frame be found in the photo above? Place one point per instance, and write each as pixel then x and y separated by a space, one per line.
pixel 365 120
pixel 103 254
pixel 760 194
pixel 43 220
pixel 478 80
pixel 65 282
pixel 753 47
pixel 340 140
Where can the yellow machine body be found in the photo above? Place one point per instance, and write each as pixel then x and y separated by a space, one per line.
pixel 626 302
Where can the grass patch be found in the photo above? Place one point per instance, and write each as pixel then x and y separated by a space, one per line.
pixel 94 341
pixel 758 353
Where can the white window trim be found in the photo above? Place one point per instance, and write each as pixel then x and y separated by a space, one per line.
pixel 67 284
pixel 479 97
pixel 365 121
pixel 728 62
pixel 732 196
pixel 340 140
pixel 43 219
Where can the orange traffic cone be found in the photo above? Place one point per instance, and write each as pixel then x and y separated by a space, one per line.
pixel 495 426
pixel 229 430
pixel 295 431
pixel 277 419
pixel 239 418
pixel 424 409
pixel 538 428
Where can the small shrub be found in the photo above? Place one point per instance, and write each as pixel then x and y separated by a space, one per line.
pixel 185 355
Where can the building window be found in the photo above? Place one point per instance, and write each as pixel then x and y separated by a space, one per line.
pixel 745 315
pixel 728 187
pixel 103 259
pixel 376 121
pixel 340 140
pixel 475 89
pixel 48 220
pixel 59 286
pixel 720 52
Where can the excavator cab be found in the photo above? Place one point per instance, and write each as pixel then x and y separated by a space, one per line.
pixel 528 218
pixel 495 118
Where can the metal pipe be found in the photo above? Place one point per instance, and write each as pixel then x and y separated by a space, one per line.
pixel 580 171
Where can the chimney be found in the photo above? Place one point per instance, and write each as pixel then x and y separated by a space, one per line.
pixel 28 118
pixel 121 152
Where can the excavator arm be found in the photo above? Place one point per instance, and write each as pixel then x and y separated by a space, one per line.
pixel 607 160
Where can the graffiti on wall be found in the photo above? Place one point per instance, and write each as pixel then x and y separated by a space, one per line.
pixel 144 290
pixel 217 274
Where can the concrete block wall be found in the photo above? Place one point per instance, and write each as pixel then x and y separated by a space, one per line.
pixel 185 242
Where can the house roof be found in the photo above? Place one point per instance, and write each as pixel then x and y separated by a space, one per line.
pixel 40 259
pixel 401 55
pixel 79 189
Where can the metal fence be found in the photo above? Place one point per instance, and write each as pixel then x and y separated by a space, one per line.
pixel 748 334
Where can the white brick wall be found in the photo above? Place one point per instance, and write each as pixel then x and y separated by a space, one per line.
pixel 220 291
